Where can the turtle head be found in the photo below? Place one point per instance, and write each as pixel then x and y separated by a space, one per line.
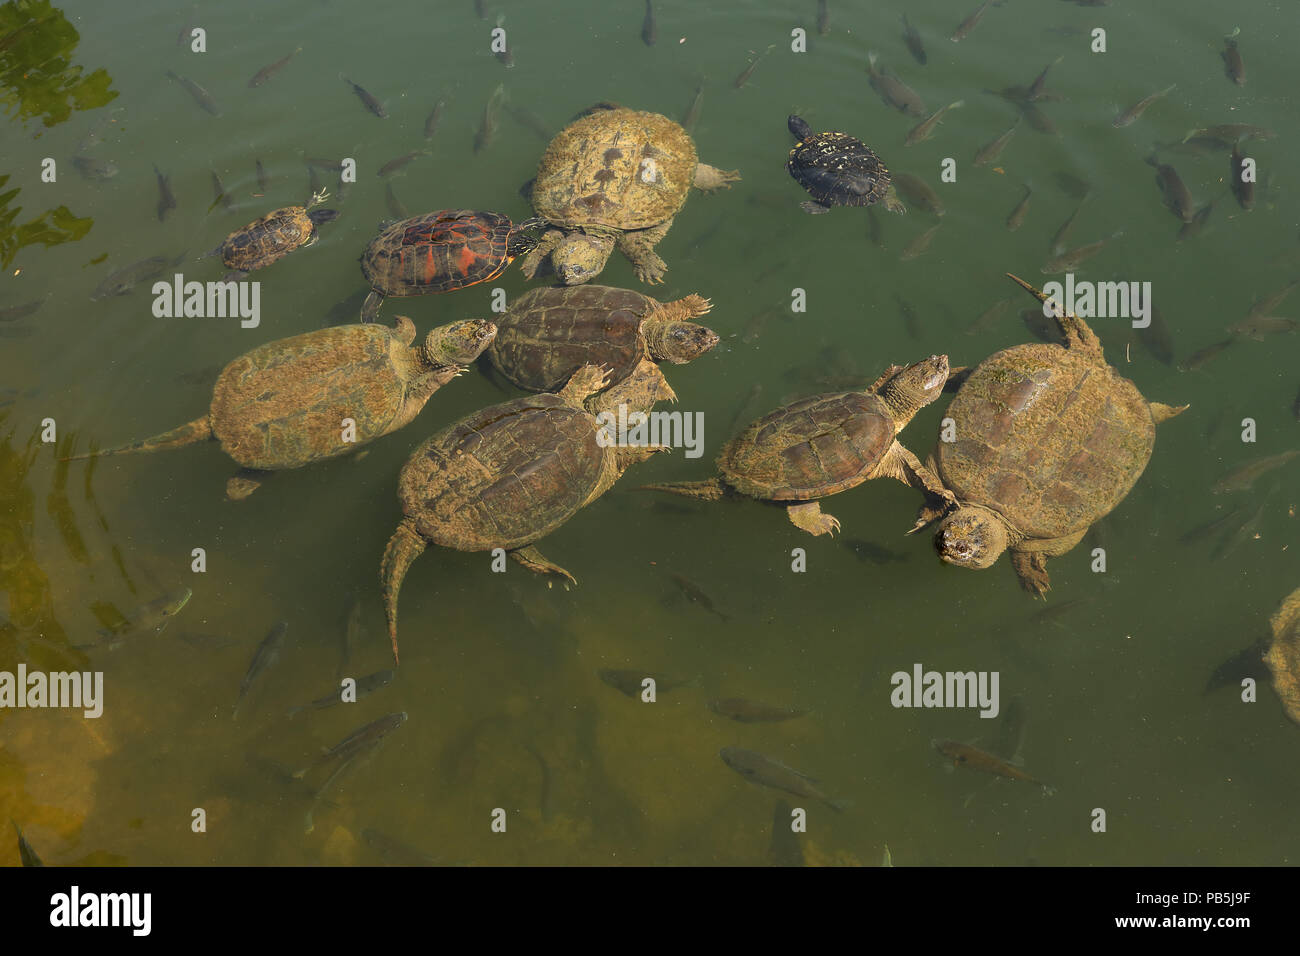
pixel 799 127
pixel 580 257
pixel 459 343
pixel 971 537
pixel 913 387
pixel 677 341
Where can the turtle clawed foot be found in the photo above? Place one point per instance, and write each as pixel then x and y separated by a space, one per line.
pixel 651 269
pixel 809 517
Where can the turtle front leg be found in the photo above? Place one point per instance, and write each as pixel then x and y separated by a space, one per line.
pixel 244 483
pixel 639 247
pixel 420 391
pixel 534 561
pixel 532 260
pixel 1031 568
pixel 809 517
pixel 709 178
pixel 901 464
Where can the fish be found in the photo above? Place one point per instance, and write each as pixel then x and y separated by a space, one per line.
pixel 964 755
pixel 924 129
pixel 348 763
pixel 356 742
pixel 1202 356
pixel 266 72
pixel 400 162
pixel 434 118
pixel 201 96
pixel 989 317
pixel 128 277
pixel 992 150
pixel 1229 134
pixel 152 617
pixel 649 29
pixel 912 39
pixel 488 125
pixel 1211 527
pixel 693 111
pixel 628 682
pixel 1243 477
pixel 785 849
pixel 219 195
pixel 1232 63
pixel 89 167
pixel 1052 615
pixel 166 201
pixel 745 74
pixel 894 91
pixel 365 686
pixel 1017 217
pixel 15 312
pixel 919 245
pixel 823 18
pixel 351 632
pixel 1068 261
pixel 874 233
pixel 1247 531
pixel 1270 302
pixel 531 121
pixel 1248 662
pixel 1197 223
pixel 367 99
pixel 916 190
pixel 1035 91
pixel 1038 119
pixel 1157 339
pixel 752 711
pixel 867 551
pixel 1257 326
pixel 766 772
pixel 25 851
pixel 396 852
pixel 695 594
pixel 395 205
pixel 1244 191
pixel 1130 115
pixel 1010 736
pixel 263 180
pixel 967 25
pixel 267 653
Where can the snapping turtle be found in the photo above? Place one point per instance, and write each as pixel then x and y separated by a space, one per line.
pixel 838 170
pixel 826 444
pixel 273 237
pixel 504 477
pixel 1283 657
pixel 288 403
pixel 439 252
pixel 550 333
pixel 1049 439
pixel 614 177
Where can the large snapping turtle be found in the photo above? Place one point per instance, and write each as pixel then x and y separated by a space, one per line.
pixel 1049 439
pixel 284 404
pixel 614 177
pixel 1283 656
pixel 505 477
pixel 826 444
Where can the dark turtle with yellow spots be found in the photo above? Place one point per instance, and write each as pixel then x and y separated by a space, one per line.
pixel 274 236
pixel 838 170
pixel 439 252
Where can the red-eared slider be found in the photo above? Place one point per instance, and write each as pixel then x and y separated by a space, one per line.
pixel 826 444
pixel 614 177
pixel 441 251
pixel 1049 439
pixel 1283 656
pixel 504 477
pixel 838 170
pixel 274 236
pixel 548 334
pixel 287 403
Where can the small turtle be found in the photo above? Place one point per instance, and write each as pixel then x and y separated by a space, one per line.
pixel 548 334
pixel 289 403
pixel 1283 656
pixel 838 170
pixel 826 444
pixel 1049 439
pixel 505 477
pixel 614 176
pixel 273 237
pixel 439 252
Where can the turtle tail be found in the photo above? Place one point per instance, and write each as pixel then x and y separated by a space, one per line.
pixel 711 490
pixel 404 547
pixel 191 433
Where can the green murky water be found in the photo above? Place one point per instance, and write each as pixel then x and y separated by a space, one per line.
pixel 498 674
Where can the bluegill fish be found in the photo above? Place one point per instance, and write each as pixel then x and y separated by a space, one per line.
pixel 266 72
pixel 367 99
pixel 1130 115
pixel 365 686
pixel 267 653
pixel 357 741
pixel 152 617
pixel 201 96
pixel 766 772
pixel 972 758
